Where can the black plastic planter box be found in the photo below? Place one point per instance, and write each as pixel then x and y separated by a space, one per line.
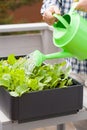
pixel 42 104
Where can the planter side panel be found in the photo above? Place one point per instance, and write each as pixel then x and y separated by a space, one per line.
pixel 8 104
pixel 45 104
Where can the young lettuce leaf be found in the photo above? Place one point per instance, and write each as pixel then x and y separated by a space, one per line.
pixel 19 76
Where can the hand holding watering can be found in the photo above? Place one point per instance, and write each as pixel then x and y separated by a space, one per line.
pixel 69 34
pixel 48 17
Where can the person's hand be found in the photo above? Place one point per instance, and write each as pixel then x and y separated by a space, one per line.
pixel 81 5
pixel 48 14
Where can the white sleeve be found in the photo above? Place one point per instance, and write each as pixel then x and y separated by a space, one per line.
pixel 47 3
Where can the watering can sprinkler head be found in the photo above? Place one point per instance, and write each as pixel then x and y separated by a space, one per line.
pixel 37 57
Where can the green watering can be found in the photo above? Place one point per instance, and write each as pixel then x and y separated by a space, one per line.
pixel 69 34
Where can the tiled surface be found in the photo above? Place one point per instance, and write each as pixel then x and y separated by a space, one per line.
pixel 47 128
pixel 68 126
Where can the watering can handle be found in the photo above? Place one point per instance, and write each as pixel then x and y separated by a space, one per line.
pixel 61 19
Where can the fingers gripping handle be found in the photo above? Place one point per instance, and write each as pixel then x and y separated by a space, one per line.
pixel 61 19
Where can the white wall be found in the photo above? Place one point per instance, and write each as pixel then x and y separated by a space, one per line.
pixel 27 43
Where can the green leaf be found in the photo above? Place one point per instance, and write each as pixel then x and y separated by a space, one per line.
pixel 33 84
pixel 14 94
pixel 21 89
pixel 11 59
pixel 5 80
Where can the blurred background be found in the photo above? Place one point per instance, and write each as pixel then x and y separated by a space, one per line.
pixel 20 11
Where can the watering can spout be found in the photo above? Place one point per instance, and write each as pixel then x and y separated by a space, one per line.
pixel 39 57
pixel 62 54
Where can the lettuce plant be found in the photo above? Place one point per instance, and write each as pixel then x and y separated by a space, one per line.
pixel 19 75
